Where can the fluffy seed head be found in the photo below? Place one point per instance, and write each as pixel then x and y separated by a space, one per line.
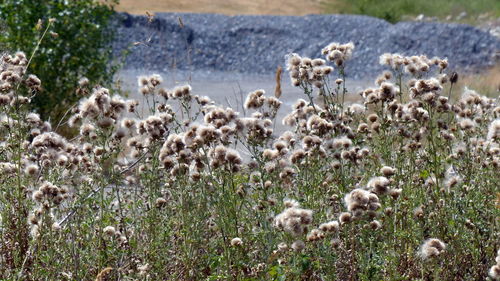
pixel 235 242
pixel 431 248
pixel 495 272
pixel 379 185
pixel 387 171
pixel 109 230
pixel 298 245
pixel 494 130
pixel 345 218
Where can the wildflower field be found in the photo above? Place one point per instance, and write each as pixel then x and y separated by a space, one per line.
pixel 403 185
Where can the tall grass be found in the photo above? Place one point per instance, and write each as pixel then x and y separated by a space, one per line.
pixel 175 187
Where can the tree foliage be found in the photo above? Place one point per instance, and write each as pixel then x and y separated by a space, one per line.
pixel 78 44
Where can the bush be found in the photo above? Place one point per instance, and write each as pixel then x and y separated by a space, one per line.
pixel 76 45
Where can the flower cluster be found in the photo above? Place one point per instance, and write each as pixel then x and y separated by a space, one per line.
pixel 293 219
pixel 338 53
pixel 414 65
pixel 306 71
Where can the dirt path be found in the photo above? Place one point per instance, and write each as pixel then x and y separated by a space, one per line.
pixel 228 7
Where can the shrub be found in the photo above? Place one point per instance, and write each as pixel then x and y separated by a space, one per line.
pixel 76 45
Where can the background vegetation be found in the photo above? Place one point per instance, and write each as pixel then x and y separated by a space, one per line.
pixel 78 44
pixel 392 11
pixel 396 10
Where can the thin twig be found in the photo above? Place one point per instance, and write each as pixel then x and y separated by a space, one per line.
pixel 64 116
pixel 28 253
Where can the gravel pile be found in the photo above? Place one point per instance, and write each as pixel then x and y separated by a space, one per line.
pixel 258 44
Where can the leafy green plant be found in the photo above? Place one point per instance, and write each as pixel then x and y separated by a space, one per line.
pixel 79 45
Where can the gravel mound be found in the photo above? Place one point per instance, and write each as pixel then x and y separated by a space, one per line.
pixel 258 44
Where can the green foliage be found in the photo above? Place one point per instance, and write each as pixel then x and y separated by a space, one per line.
pixel 395 10
pixel 77 45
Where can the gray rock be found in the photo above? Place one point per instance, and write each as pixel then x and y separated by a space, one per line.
pixel 258 44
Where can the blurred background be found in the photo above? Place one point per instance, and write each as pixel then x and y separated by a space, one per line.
pixel 226 49
pixel 469 11
pixel 484 14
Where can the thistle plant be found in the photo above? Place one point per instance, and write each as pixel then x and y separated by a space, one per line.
pixel 398 186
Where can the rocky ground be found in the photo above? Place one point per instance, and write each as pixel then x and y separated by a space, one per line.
pixel 258 44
